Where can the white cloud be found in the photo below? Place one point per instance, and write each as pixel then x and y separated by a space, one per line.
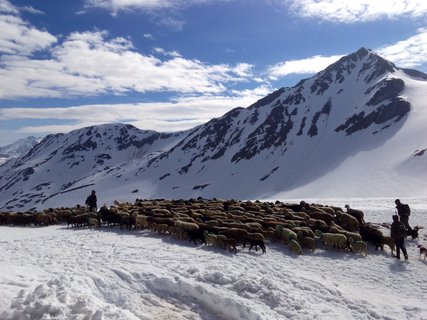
pixel 302 66
pixel 31 10
pixel 167 53
pixel 116 5
pixel 344 11
pixel 20 38
pixel 7 7
pixel 407 53
pixel 89 63
pixel 180 114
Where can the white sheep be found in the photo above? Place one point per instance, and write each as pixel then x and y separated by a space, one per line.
pixel 210 238
pixel 294 246
pixel 334 240
pixel 189 226
pixel 309 242
pixel 92 222
pixel 285 234
pixel 359 246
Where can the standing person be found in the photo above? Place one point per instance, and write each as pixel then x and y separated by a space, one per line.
pixel 398 233
pixel 403 211
pixel 91 201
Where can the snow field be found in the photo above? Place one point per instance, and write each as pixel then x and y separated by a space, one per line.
pixel 59 273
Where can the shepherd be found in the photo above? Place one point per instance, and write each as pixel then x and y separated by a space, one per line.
pixel 398 233
pixel 403 211
pixel 91 202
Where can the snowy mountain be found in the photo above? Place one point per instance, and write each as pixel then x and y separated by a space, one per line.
pixel 355 129
pixel 17 149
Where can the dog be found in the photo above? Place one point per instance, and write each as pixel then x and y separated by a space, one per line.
pixel 414 233
pixel 423 251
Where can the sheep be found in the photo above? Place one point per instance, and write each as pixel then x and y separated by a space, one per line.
pixel 294 246
pixel 194 235
pixel 255 243
pixel 189 226
pixel 71 220
pixel 230 243
pixel 236 233
pixel 255 226
pixel 390 242
pixel 329 210
pixel 44 219
pixel 285 234
pixel 324 216
pixel 334 240
pixel 372 235
pixel 210 238
pixel 358 246
pixel 358 214
pixel 109 216
pixel 81 220
pixel 299 215
pixel 305 231
pixel 151 220
pixel 348 222
pixel 21 219
pixel 253 236
pixel 177 232
pixel 126 220
pixel 236 225
pixel 92 222
pixel 308 242
pixel 350 235
pixel 162 228
pixel 317 224
pixel 220 240
pixel 141 221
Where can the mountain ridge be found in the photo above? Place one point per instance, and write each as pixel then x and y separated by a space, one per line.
pixel 355 111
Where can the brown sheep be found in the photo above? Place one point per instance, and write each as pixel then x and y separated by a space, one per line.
pixel 190 226
pixel 231 244
pixel 236 233
pixel 358 214
pixel 348 222
pixel 324 216
pixel 44 219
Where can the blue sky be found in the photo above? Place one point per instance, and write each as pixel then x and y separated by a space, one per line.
pixel 169 65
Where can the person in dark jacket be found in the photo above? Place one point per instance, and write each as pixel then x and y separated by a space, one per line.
pixel 403 211
pixel 91 202
pixel 398 233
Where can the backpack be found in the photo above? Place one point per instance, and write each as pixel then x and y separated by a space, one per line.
pixel 406 209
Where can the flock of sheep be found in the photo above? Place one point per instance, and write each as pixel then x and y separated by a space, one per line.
pixel 226 223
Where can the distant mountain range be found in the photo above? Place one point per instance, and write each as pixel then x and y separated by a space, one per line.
pixel 356 129
pixel 17 149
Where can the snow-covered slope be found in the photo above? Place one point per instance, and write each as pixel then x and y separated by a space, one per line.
pixel 17 149
pixel 356 129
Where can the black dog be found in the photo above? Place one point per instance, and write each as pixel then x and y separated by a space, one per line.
pixel 256 243
pixel 413 233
